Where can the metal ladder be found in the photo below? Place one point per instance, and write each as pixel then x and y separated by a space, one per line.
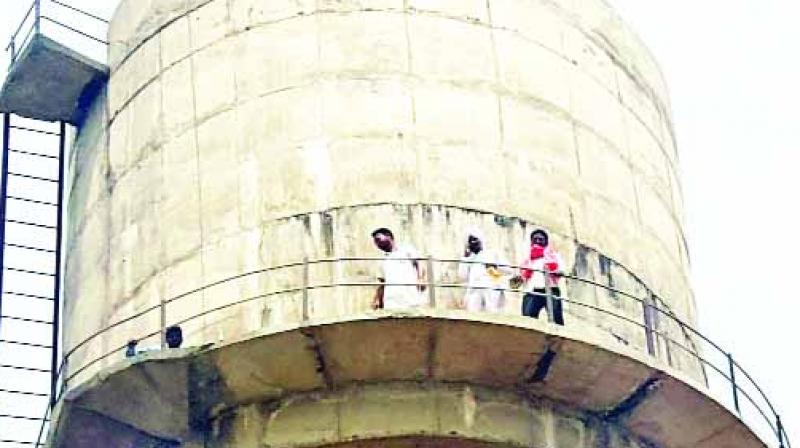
pixel 31 222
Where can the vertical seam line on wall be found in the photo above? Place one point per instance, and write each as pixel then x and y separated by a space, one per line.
pixel 674 210
pixel 636 199
pixel 571 113
pixel 107 218
pixel 234 111
pixel 572 225
pixel 626 141
pixel 321 137
pixel 500 123
pixel 677 206
pixel 197 163
pixel 418 184
pixel 575 143
pixel 318 82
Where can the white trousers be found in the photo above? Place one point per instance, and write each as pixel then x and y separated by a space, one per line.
pixel 484 300
pixel 402 297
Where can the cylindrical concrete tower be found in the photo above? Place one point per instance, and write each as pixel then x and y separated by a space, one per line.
pixel 237 138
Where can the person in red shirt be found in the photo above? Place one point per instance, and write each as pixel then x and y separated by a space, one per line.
pixel 540 273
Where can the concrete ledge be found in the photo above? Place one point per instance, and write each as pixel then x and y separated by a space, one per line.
pixel 91 429
pixel 178 395
pixel 156 381
pixel 51 82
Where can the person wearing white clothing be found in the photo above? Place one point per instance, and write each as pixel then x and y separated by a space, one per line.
pixel 402 275
pixel 485 273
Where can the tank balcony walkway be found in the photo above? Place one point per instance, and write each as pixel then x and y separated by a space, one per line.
pixel 48 80
pixel 317 349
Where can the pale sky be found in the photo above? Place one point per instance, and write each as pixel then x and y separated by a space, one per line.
pixel 732 68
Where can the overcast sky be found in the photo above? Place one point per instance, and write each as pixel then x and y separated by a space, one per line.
pixel 732 67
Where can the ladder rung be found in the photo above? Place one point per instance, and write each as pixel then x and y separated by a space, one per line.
pixel 39 131
pixel 35 154
pixel 27 296
pixel 20 442
pixel 25 319
pixel 24 344
pixel 23 417
pixel 38 249
pixel 34 201
pixel 22 392
pixel 27 369
pixel 28 271
pixel 28 176
pixel 31 224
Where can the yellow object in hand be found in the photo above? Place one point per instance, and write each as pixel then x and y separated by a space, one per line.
pixel 494 273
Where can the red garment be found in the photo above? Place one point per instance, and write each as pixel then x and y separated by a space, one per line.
pixel 550 261
pixel 537 252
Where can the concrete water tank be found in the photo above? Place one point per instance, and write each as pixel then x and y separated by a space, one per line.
pixel 238 138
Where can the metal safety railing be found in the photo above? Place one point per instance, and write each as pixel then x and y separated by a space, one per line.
pixel 42 12
pixel 659 332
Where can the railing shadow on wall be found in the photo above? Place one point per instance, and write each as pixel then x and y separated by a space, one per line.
pixel 309 289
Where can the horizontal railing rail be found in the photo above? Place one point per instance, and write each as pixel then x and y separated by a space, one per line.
pixel 660 335
pixel 51 11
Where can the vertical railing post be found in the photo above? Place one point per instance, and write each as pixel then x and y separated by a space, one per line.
pixel 12 47
pixel 54 364
pixel 735 390
pixel 162 309
pixel 37 18
pixel 431 283
pixel 548 297
pixel 647 311
pixel 306 275
pixel 779 426
pixel 3 195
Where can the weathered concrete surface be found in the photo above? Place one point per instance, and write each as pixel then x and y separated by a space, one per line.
pixel 243 134
pixel 83 428
pixel 51 82
pixel 719 428
pixel 437 415
pixel 417 442
pixel 157 381
pixel 431 225
pixel 431 374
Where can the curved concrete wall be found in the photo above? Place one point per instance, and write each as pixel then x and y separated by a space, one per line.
pixel 407 415
pixel 239 134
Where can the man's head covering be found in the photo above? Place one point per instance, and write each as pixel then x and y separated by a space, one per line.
pixel 475 232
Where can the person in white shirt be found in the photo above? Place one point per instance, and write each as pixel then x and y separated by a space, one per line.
pixel 486 275
pixel 402 274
